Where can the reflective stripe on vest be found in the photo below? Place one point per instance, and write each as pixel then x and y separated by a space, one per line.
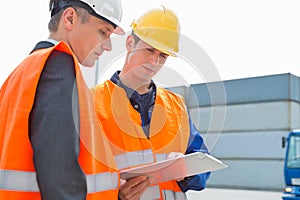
pixel 18 181
pixel 26 181
pixel 161 157
pixel 151 192
pixel 101 182
pixel 171 195
pixel 131 159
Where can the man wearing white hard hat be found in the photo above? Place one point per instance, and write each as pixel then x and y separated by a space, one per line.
pixel 50 144
pixel 146 123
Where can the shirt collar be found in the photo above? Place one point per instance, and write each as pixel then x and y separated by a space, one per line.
pixel 129 91
pixel 52 41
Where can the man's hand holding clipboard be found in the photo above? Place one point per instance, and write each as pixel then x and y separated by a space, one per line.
pixel 176 168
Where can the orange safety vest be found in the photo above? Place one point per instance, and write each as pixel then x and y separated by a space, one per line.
pixel 17 171
pixel 169 132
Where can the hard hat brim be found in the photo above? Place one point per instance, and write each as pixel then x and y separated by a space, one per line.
pixel 118 30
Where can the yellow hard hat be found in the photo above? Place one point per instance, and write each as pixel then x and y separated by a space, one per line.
pixel 160 29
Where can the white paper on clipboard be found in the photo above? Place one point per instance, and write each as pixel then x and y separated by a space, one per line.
pixel 173 169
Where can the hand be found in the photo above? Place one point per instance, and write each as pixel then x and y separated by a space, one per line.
pixel 133 188
pixel 174 155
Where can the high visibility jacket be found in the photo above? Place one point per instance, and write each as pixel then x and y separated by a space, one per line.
pixel 169 132
pixel 17 171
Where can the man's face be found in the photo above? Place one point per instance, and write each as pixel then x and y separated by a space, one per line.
pixel 90 39
pixel 145 61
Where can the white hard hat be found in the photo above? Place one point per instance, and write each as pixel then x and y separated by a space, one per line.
pixel 108 10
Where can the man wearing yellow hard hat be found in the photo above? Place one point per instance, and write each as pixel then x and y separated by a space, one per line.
pixel 144 122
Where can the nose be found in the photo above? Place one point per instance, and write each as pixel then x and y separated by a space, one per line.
pixel 106 45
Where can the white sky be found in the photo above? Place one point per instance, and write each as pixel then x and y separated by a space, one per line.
pixel 242 38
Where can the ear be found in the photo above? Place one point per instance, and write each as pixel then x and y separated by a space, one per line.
pixel 130 42
pixel 69 18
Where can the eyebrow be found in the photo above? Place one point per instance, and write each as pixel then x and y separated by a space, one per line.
pixel 151 47
pixel 108 29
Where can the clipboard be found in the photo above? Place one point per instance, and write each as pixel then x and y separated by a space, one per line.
pixel 177 168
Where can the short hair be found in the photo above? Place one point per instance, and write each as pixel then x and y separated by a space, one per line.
pixel 135 37
pixel 54 21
